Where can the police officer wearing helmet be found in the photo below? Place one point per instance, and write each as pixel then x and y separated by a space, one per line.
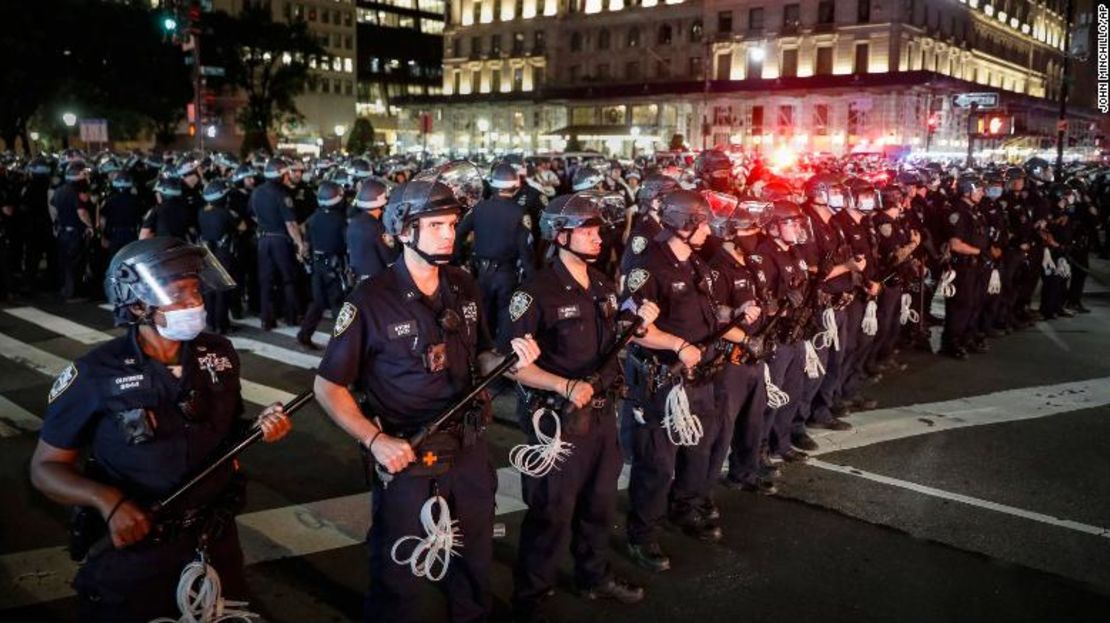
pixel 122 214
pixel 39 233
pixel 279 244
pixel 371 249
pixel 218 227
pixel 741 390
pixel 645 223
pixel 571 309
pixel 150 408
pixel 244 179
pixel 171 216
pixel 502 244
pixel 191 184
pixel 668 479
pixel 896 244
pixel 969 248
pixel 327 238
pixel 412 340
pixel 74 225
pixel 714 168
pixel 993 315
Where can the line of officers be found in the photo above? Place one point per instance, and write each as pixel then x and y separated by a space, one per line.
pixel 772 315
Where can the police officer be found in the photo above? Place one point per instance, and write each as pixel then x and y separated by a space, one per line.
pixel 502 244
pixel 122 215
pixel 571 308
pixel 171 216
pixel 412 341
pixel 150 408
pixel 74 224
pixel 993 320
pixel 671 274
pixel 968 245
pixel 327 239
pixel 218 227
pixel 371 249
pixel 741 389
pixel 896 244
pixel 39 232
pixel 280 245
pixel 192 184
pixel 1057 239
pixel 244 179
pixel 645 223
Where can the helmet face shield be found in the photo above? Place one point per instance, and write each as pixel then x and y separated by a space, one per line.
pixel 462 177
pixel 157 281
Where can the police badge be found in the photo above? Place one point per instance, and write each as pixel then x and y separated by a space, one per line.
pixel 886 229
pixel 346 317
pixel 637 278
pixel 954 218
pixel 639 243
pixel 63 382
pixel 519 304
pixel 388 240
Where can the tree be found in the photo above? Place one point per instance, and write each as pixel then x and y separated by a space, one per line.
pixel 268 61
pixel 361 139
pixel 32 63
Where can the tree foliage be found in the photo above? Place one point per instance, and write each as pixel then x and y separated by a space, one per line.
pixel 266 61
pixel 361 139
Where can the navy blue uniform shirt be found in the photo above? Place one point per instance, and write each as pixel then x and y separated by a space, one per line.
pixel 272 207
pixel 371 250
pixel 381 337
pixel 192 416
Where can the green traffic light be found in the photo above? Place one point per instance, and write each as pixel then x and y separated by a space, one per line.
pixel 169 24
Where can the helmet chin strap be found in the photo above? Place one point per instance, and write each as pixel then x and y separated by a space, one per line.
pixel 588 258
pixel 437 259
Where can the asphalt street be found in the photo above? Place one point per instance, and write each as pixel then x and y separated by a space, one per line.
pixel 978 490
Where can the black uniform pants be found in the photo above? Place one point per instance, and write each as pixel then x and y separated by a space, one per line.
pixel 71 260
pixel 469 488
pixel 788 373
pixel 961 309
pixel 497 287
pixel 1078 276
pixel 1027 279
pixel 890 304
pixel 828 394
pixel 139 583
pixel 277 269
pixel 810 388
pixel 1012 264
pixel 574 503
pixel 859 348
pixel 217 303
pixel 742 394
pixel 327 293
pixel 657 474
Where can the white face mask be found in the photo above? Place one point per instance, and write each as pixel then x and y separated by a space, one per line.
pixel 836 200
pixel 182 325
pixel 866 205
pixel 994 192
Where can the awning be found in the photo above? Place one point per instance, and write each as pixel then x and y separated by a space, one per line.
pixel 605 132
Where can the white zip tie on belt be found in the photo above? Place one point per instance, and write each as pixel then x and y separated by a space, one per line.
pixel 831 335
pixel 870 324
pixel 536 460
pixel 948 283
pixel 683 427
pixel 1063 269
pixel 994 285
pixel 776 398
pixel 814 369
pixel 443 541
pixel 198 598
pixel 1047 264
pixel 908 313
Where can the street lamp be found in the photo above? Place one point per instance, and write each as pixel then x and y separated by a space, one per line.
pixel 69 119
pixel 756 54
pixel 339 130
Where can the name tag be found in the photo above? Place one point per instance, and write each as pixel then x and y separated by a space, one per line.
pixel 678 286
pixel 123 384
pixel 402 329
pixel 568 311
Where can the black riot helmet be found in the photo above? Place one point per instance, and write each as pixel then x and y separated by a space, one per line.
pixel 168 186
pixel 360 168
pixel 967 184
pixel 372 194
pixel 651 188
pixel 504 177
pixel 1039 170
pixel 819 186
pixel 787 213
pixel 276 168
pixel 215 191
pixel 681 212
pixel 329 194
pixel 123 181
pixel 77 170
pixel 414 200
pixel 143 272
pixel 461 177
pixel 732 215
pixel 715 169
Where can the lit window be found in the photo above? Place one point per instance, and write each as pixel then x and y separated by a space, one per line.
pixel 348 65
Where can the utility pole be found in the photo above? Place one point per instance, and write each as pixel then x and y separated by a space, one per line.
pixel 1061 126
pixel 971 119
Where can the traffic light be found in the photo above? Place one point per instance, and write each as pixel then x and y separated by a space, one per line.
pixel 169 24
pixel 192 129
pixel 996 125
pixel 934 122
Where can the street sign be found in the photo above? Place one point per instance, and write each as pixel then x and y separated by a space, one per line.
pixel 209 70
pixel 94 130
pixel 982 100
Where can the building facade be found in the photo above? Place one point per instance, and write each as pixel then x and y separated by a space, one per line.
pixel 831 76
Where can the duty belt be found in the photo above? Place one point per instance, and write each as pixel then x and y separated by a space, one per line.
pixel 486 264
pixel 263 234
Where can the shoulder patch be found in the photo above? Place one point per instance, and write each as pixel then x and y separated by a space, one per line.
pixel 346 316
pixel 288 201
pixel 63 382
pixel 639 243
pixel 755 257
pixel 954 218
pixel 886 229
pixel 637 278
pixel 519 304
pixel 526 220
pixel 387 240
